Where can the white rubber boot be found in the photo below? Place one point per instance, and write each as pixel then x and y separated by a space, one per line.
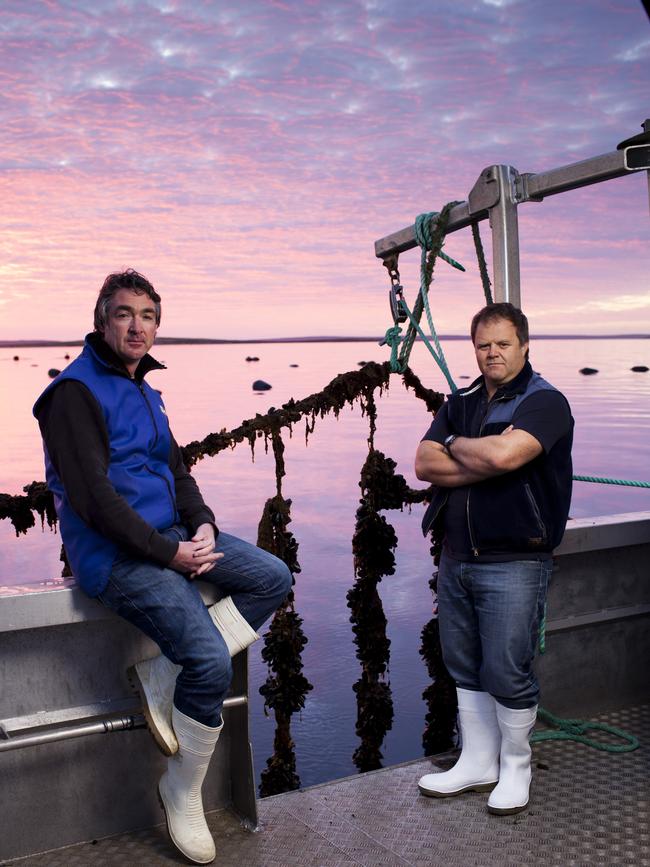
pixel 511 794
pixel 477 768
pixel 180 788
pixel 155 680
pixel 235 629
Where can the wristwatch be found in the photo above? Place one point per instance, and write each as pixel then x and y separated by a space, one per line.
pixel 449 441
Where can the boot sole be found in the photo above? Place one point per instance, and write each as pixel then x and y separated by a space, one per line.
pixel 171 838
pixel 506 811
pixel 479 787
pixel 137 687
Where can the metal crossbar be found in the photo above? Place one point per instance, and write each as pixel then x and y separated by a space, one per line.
pixel 527 187
pixel 500 189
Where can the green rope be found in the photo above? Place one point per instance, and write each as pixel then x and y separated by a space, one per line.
pixel 425 240
pixel 574 730
pixel 431 242
pixel 392 338
pixel 604 481
pixel 439 359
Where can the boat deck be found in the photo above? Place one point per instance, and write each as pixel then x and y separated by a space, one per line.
pixel 588 807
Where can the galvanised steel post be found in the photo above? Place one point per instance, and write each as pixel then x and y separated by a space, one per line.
pixel 505 237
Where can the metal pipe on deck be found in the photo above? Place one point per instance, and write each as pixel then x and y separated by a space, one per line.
pixel 47 734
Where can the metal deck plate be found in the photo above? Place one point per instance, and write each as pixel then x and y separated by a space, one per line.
pixel 587 807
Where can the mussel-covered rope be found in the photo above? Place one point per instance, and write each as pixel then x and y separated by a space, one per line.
pixel 344 389
pixel 286 687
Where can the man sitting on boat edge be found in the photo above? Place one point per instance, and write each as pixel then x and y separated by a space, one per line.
pixel 499 453
pixel 136 531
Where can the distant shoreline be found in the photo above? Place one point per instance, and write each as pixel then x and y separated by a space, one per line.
pixel 168 341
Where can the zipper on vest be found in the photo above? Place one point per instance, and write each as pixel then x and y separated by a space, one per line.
pixel 472 542
pixel 140 388
pixel 172 502
pixel 536 512
pixel 469 527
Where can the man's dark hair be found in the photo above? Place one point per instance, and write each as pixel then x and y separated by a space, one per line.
pixel 503 310
pixel 128 279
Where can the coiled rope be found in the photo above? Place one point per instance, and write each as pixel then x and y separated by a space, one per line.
pixel 574 730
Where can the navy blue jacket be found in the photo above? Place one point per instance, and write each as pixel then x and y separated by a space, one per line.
pixel 520 512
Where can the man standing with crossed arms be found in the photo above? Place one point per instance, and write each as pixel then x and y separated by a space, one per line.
pixel 499 453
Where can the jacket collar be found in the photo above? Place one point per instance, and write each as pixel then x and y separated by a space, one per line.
pixel 96 344
pixel 510 389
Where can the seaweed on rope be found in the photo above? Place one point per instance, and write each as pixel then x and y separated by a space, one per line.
pixel 374 541
pixel 286 687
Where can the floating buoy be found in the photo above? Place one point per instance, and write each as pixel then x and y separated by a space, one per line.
pixel 587 371
pixel 640 368
pixel 260 385
pixel 53 372
pixel 16 357
pixel 67 357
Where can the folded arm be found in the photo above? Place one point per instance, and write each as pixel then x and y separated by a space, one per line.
pixel 434 464
pixel 474 459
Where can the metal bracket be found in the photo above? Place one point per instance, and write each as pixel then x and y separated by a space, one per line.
pixel 520 192
pixel 485 193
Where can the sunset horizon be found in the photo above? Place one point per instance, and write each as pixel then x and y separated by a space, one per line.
pixel 246 157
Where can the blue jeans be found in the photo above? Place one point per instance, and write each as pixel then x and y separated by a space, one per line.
pixel 489 625
pixel 168 608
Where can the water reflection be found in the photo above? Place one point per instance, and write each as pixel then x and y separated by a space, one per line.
pixel 209 388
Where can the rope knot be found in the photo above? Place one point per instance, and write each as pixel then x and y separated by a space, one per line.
pixel 393 339
pixel 423 229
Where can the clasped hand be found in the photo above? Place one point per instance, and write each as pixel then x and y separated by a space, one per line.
pixel 197 556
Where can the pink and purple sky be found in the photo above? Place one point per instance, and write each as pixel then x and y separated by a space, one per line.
pixel 245 157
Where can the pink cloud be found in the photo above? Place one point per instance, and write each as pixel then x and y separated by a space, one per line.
pixel 249 155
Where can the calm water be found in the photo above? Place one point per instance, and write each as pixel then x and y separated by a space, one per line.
pixel 207 388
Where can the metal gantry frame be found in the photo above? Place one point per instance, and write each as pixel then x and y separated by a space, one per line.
pixel 500 189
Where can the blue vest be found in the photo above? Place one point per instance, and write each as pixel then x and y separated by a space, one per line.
pixel 140 442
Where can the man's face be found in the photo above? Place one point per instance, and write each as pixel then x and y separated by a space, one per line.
pixel 130 326
pixel 499 354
